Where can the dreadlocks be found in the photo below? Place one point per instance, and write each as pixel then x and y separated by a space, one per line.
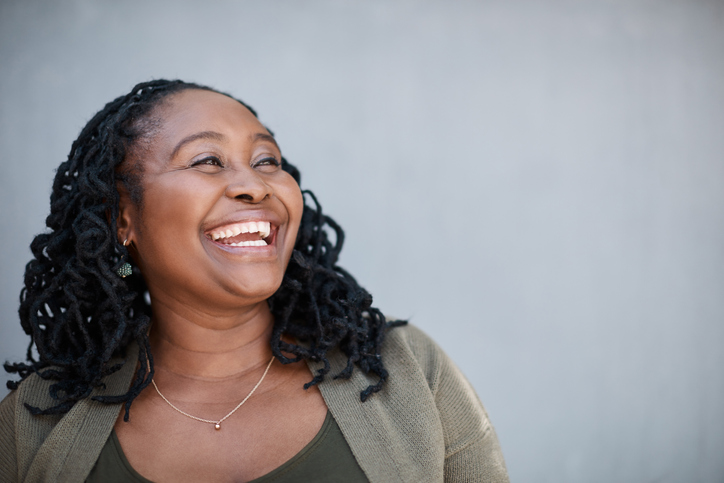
pixel 79 313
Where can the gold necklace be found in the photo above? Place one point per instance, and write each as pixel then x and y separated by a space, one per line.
pixel 217 424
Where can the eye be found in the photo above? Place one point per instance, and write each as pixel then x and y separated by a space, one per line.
pixel 211 161
pixel 267 161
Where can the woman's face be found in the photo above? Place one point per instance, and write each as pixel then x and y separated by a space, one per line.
pixel 219 217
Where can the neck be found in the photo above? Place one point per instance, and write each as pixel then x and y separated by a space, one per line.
pixel 211 346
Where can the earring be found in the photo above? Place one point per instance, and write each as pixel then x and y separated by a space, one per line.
pixel 125 269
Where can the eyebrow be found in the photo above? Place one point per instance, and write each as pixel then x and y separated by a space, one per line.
pixel 196 136
pixel 260 136
pixel 216 136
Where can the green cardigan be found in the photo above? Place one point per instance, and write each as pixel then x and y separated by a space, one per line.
pixel 427 424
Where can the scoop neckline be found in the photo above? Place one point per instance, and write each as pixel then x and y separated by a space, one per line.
pixel 279 470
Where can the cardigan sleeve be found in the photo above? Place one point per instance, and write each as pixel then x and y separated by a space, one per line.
pixel 472 451
pixel 8 453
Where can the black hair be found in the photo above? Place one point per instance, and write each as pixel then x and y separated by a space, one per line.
pixel 80 314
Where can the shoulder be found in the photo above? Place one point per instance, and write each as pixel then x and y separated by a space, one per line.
pixel 408 344
pixel 413 339
pixel 21 434
pixel 472 450
pixel 8 408
pixel 411 335
pixel 454 396
pixel 33 391
pixel 57 447
pixel 8 459
pixel 462 413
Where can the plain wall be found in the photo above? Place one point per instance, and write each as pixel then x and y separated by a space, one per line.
pixel 538 185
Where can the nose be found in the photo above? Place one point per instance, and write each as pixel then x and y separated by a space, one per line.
pixel 248 186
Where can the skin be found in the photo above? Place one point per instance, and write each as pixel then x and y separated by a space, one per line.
pixel 211 324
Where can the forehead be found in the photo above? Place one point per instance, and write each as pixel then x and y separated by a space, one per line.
pixel 194 110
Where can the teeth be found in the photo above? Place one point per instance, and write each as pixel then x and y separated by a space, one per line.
pixel 255 243
pixel 264 228
pixel 261 227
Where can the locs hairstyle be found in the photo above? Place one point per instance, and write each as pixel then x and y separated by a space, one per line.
pixel 79 313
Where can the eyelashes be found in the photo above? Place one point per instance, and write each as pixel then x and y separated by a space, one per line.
pixel 209 161
pixel 214 161
pixel 268 161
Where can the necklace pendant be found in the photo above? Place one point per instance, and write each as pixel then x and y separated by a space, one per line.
pixel 217 426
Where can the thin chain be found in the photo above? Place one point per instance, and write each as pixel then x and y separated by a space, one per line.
pixel 217 423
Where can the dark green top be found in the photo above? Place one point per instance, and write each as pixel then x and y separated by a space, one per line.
pixel 326 459
pixel 427 424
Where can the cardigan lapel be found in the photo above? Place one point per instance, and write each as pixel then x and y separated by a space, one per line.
pixel 396 435
pixel 72 447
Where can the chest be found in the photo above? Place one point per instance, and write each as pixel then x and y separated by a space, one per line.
pixel 164 445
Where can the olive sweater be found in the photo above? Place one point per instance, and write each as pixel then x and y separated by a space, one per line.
pixel 427 424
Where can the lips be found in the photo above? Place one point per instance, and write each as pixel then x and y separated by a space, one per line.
pixel 242 234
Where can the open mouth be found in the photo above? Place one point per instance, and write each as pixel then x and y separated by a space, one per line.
pixel 247 234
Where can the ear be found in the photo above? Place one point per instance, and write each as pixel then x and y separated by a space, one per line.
pixel 127 213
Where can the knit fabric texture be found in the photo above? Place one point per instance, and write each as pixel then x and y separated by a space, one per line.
pixel 426 425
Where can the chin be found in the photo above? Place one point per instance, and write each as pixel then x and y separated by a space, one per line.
pixel 257 290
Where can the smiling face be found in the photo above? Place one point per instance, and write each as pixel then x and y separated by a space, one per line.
pixel 219 216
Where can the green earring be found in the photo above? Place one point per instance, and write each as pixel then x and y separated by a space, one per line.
pixel 125 269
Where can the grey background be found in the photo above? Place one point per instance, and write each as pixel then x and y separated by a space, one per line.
pixel 538 185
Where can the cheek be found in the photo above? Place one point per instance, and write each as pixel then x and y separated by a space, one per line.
pixel 170 217
pixel 291 196
pixel 298 206
pixel 178 195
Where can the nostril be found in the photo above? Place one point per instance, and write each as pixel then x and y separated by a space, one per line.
pixel 245 197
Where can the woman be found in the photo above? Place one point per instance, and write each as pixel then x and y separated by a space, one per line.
pixel 185 278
